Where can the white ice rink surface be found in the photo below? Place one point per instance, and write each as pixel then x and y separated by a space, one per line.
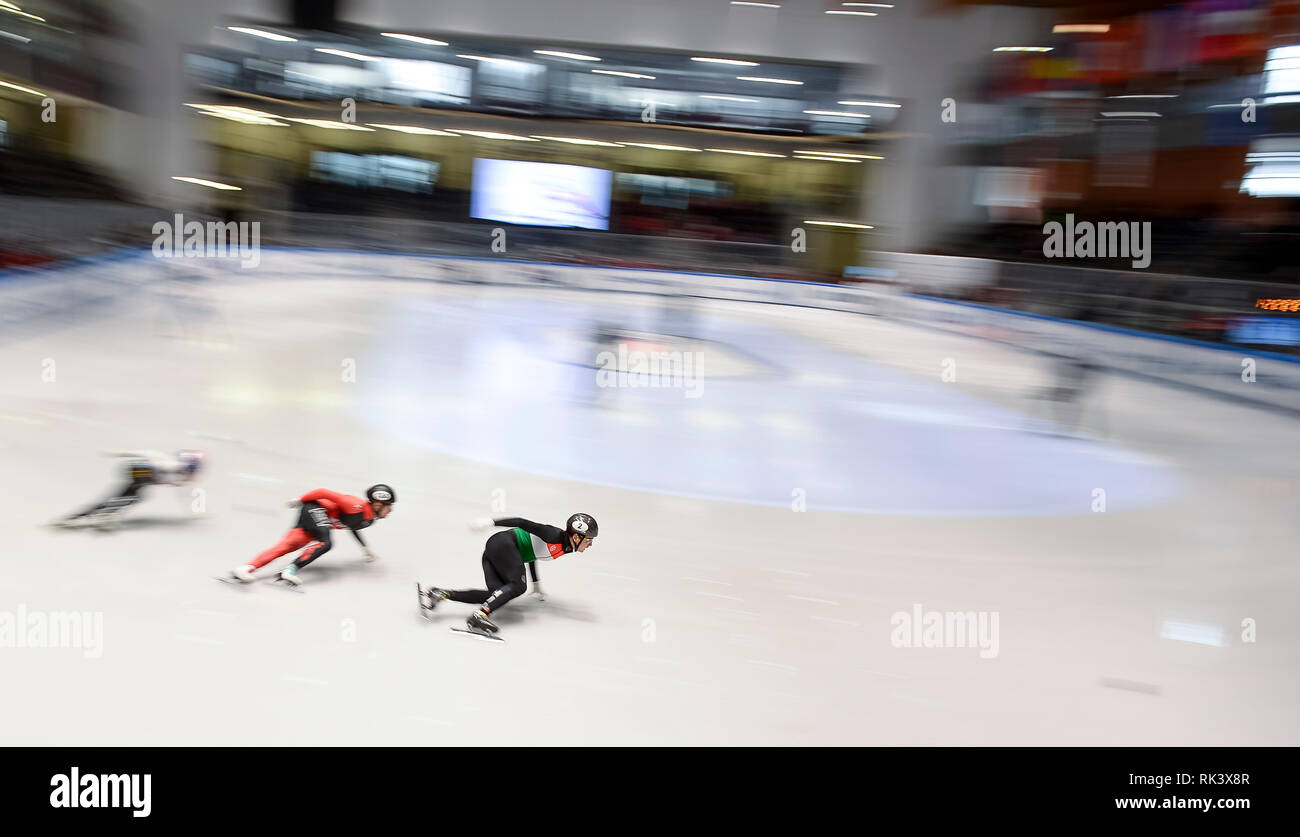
pixel 768 626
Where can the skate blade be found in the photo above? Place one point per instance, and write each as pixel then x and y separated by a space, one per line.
pixel 232 581
pixel 425 610
pixel 478 634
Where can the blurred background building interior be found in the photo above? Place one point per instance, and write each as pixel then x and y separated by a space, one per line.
pixel 705 133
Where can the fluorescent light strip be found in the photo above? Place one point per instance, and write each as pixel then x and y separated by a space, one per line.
pixel 345 54
pixel 576 56
pixel 19 87
pixel 232 108
pixel 211 184
pixel 14 10
pixel 826 159
pixel 1023 49
pixel 859 14
pixel 728 98
pixel 496 135
pixel 732 61
pixel 4 34
pixel 1145 96
pixel 746 153
pixel 577 141
pixel 412 129
pixel 621 73
pixel 769 80
pixel 245 119
pixel 1081 27
pixel 868 104
pixel 329 124
pixel 842 154
pixel 1129 113
pixel 416 39
pixel 845 224
pixel 490 59
pixel 872 5
pixel 270 36
pixel 659 147
pixel 839 113
pixel 1270 186
pixel 763 5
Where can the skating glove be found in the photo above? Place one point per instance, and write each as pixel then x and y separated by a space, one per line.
pixel 480 524
pixel 370 556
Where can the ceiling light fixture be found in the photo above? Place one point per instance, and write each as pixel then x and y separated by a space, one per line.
pixel 769 80
pixel 270 36
pixel 415 39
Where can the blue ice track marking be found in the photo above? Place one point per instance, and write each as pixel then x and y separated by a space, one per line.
pixel 1127 332
pixel 852 435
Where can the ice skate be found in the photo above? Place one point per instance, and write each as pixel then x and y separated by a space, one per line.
pixel 429 598
pixel 105 521
pixel 478 621
pixel 479 626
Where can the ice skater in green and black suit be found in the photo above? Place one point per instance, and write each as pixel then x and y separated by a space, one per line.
pixel 504 558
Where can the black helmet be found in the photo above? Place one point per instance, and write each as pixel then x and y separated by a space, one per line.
pixel 380 494
pixel 582 524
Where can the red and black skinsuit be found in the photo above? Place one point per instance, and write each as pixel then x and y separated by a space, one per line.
pixel 322 510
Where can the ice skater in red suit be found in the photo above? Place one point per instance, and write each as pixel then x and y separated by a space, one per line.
pixel 321 511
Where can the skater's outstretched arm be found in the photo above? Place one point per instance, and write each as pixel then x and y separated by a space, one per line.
pixel 537 582
pixel 550 534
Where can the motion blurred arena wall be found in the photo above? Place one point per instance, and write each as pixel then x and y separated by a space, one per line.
pixel 53 295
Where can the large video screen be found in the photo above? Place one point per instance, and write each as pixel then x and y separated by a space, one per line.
pixel 542 194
